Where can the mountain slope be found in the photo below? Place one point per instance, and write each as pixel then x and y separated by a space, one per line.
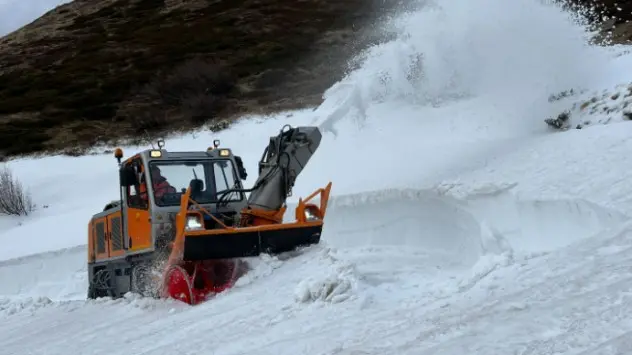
pixel 612 17
pixel 91 71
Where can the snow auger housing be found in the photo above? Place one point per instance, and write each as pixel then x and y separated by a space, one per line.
pixel 183 220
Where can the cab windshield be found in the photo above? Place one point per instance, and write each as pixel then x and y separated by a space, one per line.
pixel 208 179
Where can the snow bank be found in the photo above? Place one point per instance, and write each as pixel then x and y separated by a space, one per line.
pixel 58 275
pixel 330 288
pixel 462 221
pixel 588 108
pixel 11 306
pixel 335 282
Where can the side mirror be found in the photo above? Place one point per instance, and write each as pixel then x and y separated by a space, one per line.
pixel 240 168
pixel 127 176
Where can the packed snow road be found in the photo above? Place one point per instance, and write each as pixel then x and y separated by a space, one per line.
pixel 462 273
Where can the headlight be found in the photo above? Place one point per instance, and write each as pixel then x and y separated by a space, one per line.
pixel 194 223
pixel 310 215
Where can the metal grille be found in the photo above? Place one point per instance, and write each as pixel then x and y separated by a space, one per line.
pixel 100 230
pixel 117 236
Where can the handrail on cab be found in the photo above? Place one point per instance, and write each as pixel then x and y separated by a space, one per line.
pixel 303 205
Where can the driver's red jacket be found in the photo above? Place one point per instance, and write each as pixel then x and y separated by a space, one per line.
pixel 161 187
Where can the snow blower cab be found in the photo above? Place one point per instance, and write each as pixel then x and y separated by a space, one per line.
pixel 184 221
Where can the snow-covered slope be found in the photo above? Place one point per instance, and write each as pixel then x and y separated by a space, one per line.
pixel 459 223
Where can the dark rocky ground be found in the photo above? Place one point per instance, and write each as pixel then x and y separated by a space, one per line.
pixel 616 26
pixel 96 71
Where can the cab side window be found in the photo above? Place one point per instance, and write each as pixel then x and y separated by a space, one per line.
pixel 137 194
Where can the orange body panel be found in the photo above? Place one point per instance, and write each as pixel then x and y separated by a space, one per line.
pixel 139 228
pixel 91 244
pixel 258 217
pixel 264 227
pixel 113 251
pixel 178 245
pixel 100 235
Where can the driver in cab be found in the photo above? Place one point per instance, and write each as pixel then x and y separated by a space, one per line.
pixel 159 183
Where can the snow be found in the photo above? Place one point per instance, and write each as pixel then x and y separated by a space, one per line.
pixel 459 221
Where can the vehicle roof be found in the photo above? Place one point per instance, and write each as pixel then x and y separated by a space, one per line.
pixel 166 155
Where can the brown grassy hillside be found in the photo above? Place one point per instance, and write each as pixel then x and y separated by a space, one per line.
pixel 100 70
pixel 612 17
pixel 96 70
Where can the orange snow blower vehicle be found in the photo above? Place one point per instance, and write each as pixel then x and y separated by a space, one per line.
pixel 183 223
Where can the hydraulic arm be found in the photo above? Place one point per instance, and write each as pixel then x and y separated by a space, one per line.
pixel 283 160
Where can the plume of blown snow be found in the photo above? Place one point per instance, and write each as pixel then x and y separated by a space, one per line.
pixel 512 54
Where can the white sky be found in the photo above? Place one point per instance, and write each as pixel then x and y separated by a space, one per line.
pixel 17 13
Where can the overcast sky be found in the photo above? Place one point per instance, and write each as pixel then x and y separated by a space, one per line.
pixel 17 13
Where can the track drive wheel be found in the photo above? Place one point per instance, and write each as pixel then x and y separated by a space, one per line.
pixel 101 285
pixel 144 282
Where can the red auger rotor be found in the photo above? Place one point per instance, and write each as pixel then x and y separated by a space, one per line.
pixel 194 282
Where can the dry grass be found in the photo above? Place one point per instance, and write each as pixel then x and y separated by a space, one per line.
pixel 15 200
pixel 611 17
pixel 99 71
